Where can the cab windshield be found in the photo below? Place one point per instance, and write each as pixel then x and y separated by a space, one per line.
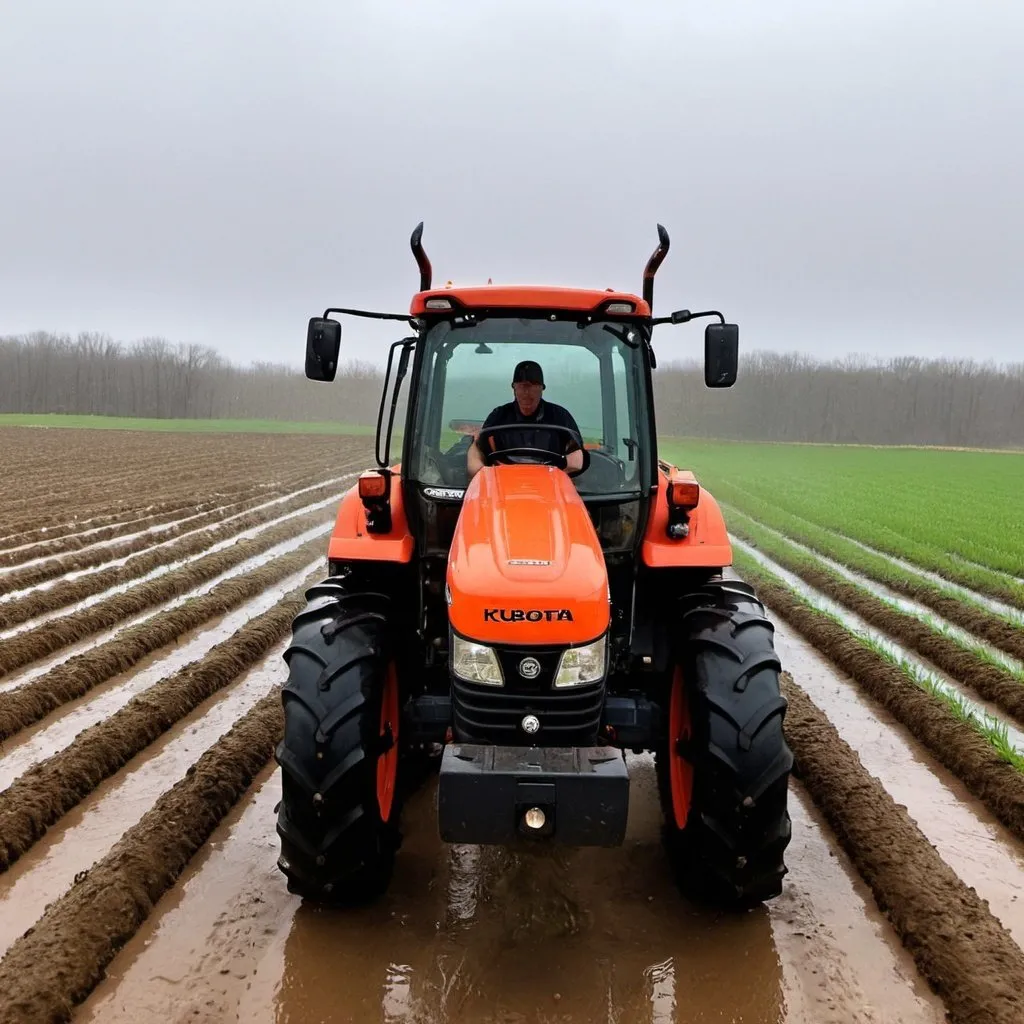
pixel 595 372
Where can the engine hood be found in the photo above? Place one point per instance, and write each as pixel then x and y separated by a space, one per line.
pixel 526 566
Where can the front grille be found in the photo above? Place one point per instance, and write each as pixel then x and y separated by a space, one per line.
pixel 492 714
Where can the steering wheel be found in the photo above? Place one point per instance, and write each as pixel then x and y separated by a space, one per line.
pixel 538 456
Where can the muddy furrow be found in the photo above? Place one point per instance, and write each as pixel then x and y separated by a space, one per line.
pixel 150 525
pixel 54 634
pixel 969 838
pixel 48 790
pixel 22 707
pixel 64 593
pixel 73 540
pixel 198 534
pixel 959 947
pixel 992 682
pixel 954 744
pixel 94 826
pixel 983 623
pixel 55 965
pixel 48 528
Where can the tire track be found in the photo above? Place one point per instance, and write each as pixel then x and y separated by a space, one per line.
pixel 51 788
pixel 54 634
pixel 54 966
pixel 963 951
pixel 22 707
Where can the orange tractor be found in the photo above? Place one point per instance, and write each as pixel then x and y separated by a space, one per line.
pixel 534 608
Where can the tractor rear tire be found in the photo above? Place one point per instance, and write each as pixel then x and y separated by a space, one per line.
pixel 724 764
pixel 339 758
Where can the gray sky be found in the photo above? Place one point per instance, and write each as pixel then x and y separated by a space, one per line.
pixel 842 177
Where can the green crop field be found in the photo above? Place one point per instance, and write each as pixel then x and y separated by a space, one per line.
pixel 941 509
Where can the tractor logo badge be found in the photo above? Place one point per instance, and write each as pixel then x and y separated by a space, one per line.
pixel 529 668
pixel 527 615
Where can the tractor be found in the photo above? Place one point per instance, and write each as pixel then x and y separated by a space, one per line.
pixel 532 621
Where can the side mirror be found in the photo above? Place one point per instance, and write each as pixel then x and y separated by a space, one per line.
pixel 721 355
pixel 323 341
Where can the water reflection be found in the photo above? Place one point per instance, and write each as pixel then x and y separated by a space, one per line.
pixel 493 936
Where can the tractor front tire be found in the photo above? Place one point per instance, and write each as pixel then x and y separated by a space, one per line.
pixel 724 764
pixel 339 758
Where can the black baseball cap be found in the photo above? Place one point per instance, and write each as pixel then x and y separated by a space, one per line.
pixel 528 371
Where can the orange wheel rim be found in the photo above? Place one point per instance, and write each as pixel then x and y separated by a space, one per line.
pixel 387 763
pixel 681 771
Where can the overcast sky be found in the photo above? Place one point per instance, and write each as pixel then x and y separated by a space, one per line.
pixel 836 177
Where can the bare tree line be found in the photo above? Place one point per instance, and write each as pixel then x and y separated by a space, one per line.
pixel 778 397
pixel 903 400
pixel 95 375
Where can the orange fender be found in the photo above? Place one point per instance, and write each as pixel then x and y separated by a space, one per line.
pixel 351 543
pixel 706 546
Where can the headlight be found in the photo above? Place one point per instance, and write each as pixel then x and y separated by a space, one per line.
pixel 580 665
pixel 476 663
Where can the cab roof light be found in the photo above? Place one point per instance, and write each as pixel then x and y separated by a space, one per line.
pixel 620 307
pixel 684 494
pixel 438 303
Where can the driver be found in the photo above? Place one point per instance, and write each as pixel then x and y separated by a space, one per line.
pixel 530 409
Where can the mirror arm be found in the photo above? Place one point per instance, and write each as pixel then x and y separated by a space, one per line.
pixel 682 316
pixel 404 317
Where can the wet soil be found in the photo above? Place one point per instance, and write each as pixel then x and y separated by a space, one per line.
pixel 57 963
pixel 466 934
pixel 955 745
pixel 987 625
pixel 91 829
pixel 991 682
pixel 48 790
pixel 963 951
pixel 967 836
pixel 27 704
pixel 24 648
pixel 160 552
pixel 45 738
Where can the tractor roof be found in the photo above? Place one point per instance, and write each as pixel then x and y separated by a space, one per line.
pixel 526 297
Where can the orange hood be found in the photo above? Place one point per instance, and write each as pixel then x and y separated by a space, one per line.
pixel 525 565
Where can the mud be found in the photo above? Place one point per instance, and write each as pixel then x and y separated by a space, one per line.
pixel 990 681
pixel 443 946
pixel 987 625
pixel 963 951
pixel 89 831
pixel 955 745
pixel 54 541
pixel 966 835
pixel 48 790
pixel 30 703
pixel 13 555
pixel 54 634
pixel 57 962
pixel 160 553
pixel 47 737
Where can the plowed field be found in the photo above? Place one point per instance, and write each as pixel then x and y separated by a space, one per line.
pixel 147 586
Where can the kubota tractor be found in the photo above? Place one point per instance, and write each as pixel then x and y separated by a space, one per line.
pixel 535 620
